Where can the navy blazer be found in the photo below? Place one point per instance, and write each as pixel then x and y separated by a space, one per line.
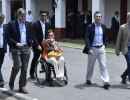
pixel 115 24
pixel 37 30
pixel 89 37
pixel 13 35
pixel 5 37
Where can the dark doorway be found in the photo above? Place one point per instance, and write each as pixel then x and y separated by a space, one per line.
pixel 71 17
pixel 14 6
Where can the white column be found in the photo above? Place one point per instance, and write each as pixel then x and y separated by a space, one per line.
pixel 6 10
pixel 30 5
pixel 60 14
pixel 80 5
pixel 98 5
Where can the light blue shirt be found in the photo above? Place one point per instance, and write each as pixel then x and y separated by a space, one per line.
pixel 22 33
pixel 1 36
pixel 98 38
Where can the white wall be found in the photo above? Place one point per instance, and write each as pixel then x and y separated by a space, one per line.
pixel 110 7
pixel 43 5
pixel 80 5
pixel 128 5
pixel 0 6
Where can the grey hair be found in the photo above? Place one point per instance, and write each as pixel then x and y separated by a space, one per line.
pixel 2 16
pixel 21 11
pixel 128 14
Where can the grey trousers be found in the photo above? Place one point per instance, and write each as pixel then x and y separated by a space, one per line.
pixel 20 61
pixel 100 55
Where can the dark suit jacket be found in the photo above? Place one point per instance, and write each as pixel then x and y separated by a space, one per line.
pixel 13 34
pixel 5 37
pixel 115 24
pixel 89 37
pixel 37 30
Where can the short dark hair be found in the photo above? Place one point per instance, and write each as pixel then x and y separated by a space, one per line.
pixel 97 12
pixel 116 12
pixel 2 16
pixel 41 11
pixel 29 11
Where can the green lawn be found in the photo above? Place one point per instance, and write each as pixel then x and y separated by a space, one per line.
pixel 80 44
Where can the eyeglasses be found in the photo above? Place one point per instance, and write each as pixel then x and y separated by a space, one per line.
pixel 43 15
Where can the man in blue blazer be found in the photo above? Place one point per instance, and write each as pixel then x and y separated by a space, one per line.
pixel 20 41
pixel 3 45
pixel 95 42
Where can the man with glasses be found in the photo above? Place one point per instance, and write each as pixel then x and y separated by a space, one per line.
pixel 40 29
pixel 19 34
pixel 3 45
pixel 95 41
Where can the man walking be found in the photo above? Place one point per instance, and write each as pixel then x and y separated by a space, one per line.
pixel 123 46
pixel 3 45
pixel 95 41
pixel 19 40
pixel 40 29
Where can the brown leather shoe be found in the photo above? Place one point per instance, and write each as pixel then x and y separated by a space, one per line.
pixel 11 85
pixel 23 90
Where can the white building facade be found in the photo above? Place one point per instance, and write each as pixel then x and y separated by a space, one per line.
pixel 107 7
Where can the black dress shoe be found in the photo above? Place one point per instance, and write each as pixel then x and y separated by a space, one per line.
pixel 11 85
pixel 23 90
pixel 123 79
pixel 32 76
pixel 2 84
pixel 88 82
pixel 106 86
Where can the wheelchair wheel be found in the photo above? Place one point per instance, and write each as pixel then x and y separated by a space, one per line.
pixel 41 71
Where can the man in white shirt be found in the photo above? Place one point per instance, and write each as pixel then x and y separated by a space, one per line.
pixel 29 17
pixel 3 45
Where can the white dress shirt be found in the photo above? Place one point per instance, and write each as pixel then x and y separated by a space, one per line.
pixel 1 36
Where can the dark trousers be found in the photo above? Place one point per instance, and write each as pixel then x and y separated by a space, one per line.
pixel 2 54
pixel 127 71
pixel 20 61
pixel 36 55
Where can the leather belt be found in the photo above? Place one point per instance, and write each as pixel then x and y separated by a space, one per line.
pixel 98 46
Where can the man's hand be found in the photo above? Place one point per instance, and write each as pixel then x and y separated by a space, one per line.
pixel 39 48
pixel 19 45
pixel 117 53
pixel 90 52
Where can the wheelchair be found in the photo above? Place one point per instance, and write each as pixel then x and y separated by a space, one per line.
pixel 44 71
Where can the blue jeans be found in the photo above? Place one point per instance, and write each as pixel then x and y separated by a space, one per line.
pixel 127 71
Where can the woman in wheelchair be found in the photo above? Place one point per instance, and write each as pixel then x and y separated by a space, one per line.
pixel 53 55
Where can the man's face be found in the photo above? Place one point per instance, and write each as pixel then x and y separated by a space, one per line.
pixel 43 16
pixel 1 21
pixel 22 18
pixel 97 18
